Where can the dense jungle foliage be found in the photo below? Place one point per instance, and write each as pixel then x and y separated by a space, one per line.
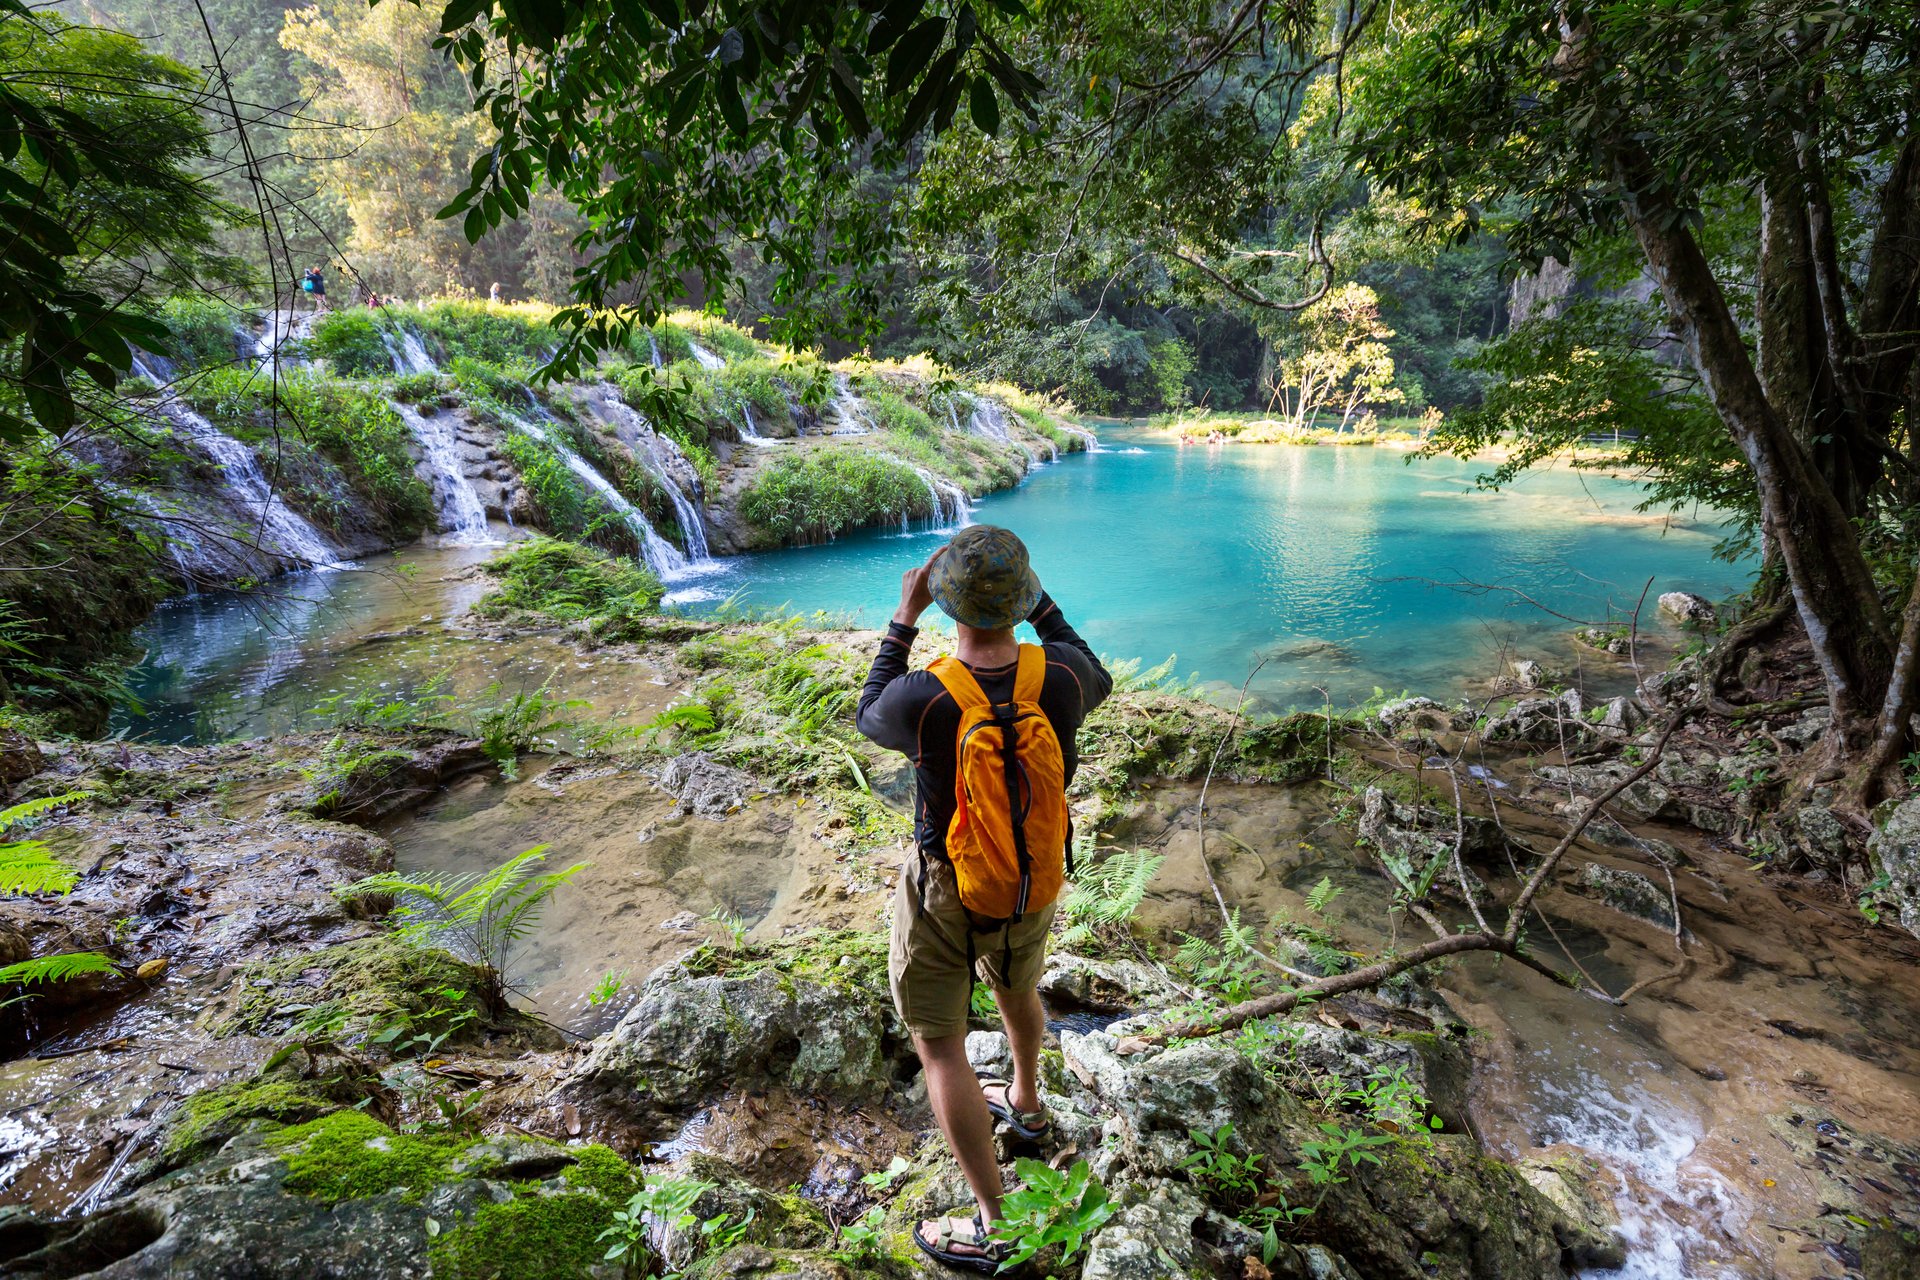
pixel 1302 214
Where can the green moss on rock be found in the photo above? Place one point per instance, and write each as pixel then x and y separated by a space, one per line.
pixel 349 1155
pixel 537 1235
pixel 207 1120
pixel 364 984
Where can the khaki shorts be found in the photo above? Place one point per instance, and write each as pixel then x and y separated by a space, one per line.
pixel 927 958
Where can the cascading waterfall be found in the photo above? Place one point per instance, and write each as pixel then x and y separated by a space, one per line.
pixel 661 556
pixel 688 513
pixel 285 530
pixel 1093 441
pixel 750 430
pixel 947 503
pixel 640 437
pixel 852 419
pixel 653 349
pixel 989 419
pixel 179 541
pixel 410 355
pixel 706 358
pixel 463 517
pixel 155 369
pixel 278 329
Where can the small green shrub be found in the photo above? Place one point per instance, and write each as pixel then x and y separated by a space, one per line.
pixel 753 382
pixel 1231 1179
pixel 669 338
pixel 567 582
pixel 1052 1207
pixel 896 413
pixel 358 430
pixel 200 331
pixel 486 382
pixel 723 338
pixel 815 496
pixel 353 342
pixel 412 388
pixel 497 334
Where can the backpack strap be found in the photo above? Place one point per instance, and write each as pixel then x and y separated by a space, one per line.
pixel 1031 675
pixel 958 681
pixel 1028 683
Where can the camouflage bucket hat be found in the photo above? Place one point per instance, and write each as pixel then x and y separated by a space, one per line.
pixel 984 580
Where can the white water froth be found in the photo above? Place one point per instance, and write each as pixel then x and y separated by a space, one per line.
pixel 279 330
pixel 155 369
pixel 750 431
pixel 1130 450
pixel 706 358
pixel 947 502
pixel 280 528
pixel 1668 1203
pixel 1093 441
pixel 463 517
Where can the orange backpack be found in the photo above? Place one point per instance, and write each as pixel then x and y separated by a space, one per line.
pixel 1008 839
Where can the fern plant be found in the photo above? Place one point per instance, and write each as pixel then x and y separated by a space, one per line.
pixel 482 916
pixel 518 724
pixel 60 968
pixel 28 866
pixel 1321 896
pixel 1108 892
pixel 1221 967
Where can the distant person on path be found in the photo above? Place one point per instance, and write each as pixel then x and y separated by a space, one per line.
pixel 493 294
pixel 990 732
pixel 314 283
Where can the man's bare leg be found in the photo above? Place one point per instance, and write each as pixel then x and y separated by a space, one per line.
pixel 1026 1023
pixel 961 1109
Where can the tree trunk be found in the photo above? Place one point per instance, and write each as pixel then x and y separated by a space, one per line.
pixel 1890 302
pixel 1833 587
pixel 1881 774
pixel 1795 368
pixel 1855 442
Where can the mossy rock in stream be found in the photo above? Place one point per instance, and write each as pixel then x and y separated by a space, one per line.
pixel 358 988
pixel 348 1198
pixel 1144 733
pixel 1429 1205
pixel 295 1086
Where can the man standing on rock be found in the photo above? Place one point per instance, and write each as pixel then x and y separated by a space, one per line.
pixel 990 732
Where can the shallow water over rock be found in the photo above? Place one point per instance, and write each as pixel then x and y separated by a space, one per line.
pixel 1739 1111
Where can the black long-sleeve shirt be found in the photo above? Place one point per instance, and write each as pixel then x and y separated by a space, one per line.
pixel 912 712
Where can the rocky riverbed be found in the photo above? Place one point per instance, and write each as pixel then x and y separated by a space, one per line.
pixel 280 1081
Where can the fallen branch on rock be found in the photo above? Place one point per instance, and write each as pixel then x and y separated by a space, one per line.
pixel 1506 942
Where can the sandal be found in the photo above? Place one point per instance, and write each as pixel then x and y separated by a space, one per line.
pixel 1029 1126
pixel 952 1234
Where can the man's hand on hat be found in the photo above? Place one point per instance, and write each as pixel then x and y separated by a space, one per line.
pixel 915 594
